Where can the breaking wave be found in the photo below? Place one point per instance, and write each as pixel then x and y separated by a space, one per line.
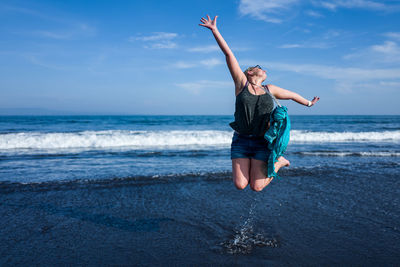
pixel 143 139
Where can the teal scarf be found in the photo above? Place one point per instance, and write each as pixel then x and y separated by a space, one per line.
pixel 278 136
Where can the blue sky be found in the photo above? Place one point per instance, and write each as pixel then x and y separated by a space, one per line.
pixel 151 57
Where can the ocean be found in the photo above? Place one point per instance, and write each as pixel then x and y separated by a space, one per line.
pixel 157 190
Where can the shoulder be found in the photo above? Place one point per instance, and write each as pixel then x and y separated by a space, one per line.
pixel 281 93
pixel 273 89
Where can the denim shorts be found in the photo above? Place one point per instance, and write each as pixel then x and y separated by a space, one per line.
pixel 248 146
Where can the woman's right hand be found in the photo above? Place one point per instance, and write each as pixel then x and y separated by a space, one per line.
pixel 208 23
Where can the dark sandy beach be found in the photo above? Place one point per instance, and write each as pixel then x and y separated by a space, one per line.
pixel 196 220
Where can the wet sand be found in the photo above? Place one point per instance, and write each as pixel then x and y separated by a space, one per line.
pixel 189 221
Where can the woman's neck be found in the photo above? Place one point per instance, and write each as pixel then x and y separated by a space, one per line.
pixel 256 82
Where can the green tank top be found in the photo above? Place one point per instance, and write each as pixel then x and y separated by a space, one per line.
pixel 252 112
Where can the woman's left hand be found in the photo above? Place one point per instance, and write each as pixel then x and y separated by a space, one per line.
pixel 315 100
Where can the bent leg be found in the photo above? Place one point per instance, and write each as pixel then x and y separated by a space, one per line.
pixel 241 172
pixel 258 174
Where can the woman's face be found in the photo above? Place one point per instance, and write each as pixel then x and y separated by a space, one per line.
pixel 258 71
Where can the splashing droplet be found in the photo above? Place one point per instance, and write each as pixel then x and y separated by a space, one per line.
pixel 245 239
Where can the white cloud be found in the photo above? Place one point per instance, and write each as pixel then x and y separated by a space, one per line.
pixel 390 84
pixel 328 5
pixel 198 86
pixel 157 36
pixel 337 73
pixel 276 11
pixel 362 4
pixel 371 86
pixel 307 45
pixel 291 46
pixel 63 27
pixel 331 34
pixel 204 49
pixel 345 78
pixel 157 40
pixel 388 47
pixel 23 10
pixel 211 62
pixel 266 10
pixel 35 60
pixel 73 31
pixel 328 39
pixel 388 52
pixel 162 45
pixel 313 13
pixel 392 35
pixel 53 35
pixel 183 65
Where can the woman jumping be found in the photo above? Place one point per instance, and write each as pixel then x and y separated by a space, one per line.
pixel 254 105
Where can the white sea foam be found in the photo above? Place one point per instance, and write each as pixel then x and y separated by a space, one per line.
pixel 113 138
pixel 141 139
pixel 324 137
pixel 346 154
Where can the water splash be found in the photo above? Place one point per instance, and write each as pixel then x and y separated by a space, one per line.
pixel 245 239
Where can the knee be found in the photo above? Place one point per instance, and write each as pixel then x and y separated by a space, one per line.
pixel 256 187
pixel 241 184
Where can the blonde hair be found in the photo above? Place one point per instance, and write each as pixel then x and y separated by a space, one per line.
pixel 246 72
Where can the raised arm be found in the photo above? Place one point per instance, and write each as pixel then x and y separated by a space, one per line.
pixel 237 74
pixel 281 93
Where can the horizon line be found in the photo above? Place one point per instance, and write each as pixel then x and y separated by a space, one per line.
pixel 146 114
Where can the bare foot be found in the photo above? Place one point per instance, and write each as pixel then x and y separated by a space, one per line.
pixel 282 162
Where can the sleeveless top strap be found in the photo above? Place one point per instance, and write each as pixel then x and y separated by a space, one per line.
pixel 273 97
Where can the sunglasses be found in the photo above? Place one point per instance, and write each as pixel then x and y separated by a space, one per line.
pixel 255 67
